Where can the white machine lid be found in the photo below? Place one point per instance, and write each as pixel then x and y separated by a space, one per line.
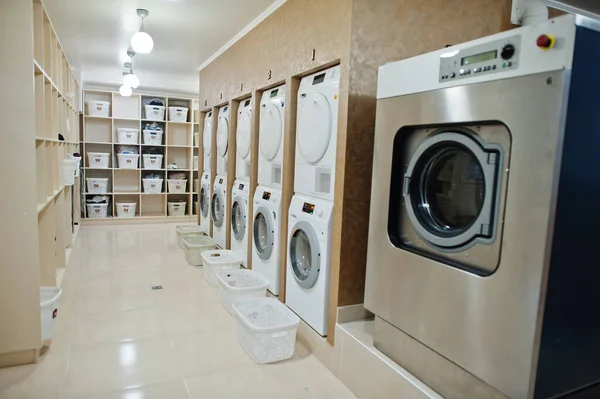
pixel 222 136
pixel 271 130
pixel 314 127
pixel 244 128
pixel 207 137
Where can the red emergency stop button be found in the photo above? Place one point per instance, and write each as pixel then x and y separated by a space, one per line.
pixel 545 42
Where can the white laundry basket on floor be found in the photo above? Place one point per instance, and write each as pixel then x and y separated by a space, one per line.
pixel 195 245
pixel 217 261
pixel 185 230
pixel 49 298
pixel 240 284
pixel 266 329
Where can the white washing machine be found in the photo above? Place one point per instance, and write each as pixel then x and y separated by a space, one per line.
pixel 271 137
pixel 266 229
pixel 207 140
pixel 205 190
pixel 309 248
pixel 240 195
pixel 243 140
pixel 316 134
pixel 218 210
pixel 222 140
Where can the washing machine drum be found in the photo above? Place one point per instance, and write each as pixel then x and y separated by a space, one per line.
pixel 238 218
pixel 271 130
pixel 204 201
pixel 305 255
pixel 450 189
pixel 217 208
pixel 207 137
pixel 314 127
pixel 222 136
pixel 264 232
pixel 244 128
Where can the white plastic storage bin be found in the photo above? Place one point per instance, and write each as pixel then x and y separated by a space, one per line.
pixel 153 137
pixel 177 186
pixel 176 208
pixel 98 108
pixel 128 161
pixel 70 167
pixel 218 261
pixel 152 186
pixel 97 185
pixel 49 299
pixel 152 161
pixel 78 159
pixel 98 160
pixel 155 112
pixel 127 136
pixel 185 230
pixel 266 329
pixel 240 284
pixel 97 211
pixel 178 114
pixel 195 245
pixel 126 209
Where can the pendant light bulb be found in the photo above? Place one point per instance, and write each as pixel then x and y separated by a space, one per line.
pixel 125 91
pixel 142 43
pixel 131 80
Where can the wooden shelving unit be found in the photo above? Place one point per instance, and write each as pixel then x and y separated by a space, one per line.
pixel 56 112
pixel 100 134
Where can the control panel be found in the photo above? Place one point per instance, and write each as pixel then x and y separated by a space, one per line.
pixel 483 59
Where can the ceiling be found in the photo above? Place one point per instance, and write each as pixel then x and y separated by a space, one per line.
pixel 95 35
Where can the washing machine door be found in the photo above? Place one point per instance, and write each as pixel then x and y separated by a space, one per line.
pixel 207 137
pixel 264 232
pixel 450 189
pixel 305 255
pixel 204 201
pixel 314 126
pixel 244 128
pixel 238 218
pixel 222 136
pixel 217 208
pixel 271 130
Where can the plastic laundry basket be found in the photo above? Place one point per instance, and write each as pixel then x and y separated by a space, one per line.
pixel 98 160
pixel 128 161
pixel 185 230
pixel 127 136
pixel 152 161
pixel 266 329
pixel 97 211
pixel 97 185
pixel 49 298
pixel 195 245
pixel 69 171
pixel 240 284
pixel 126 209
pixel 153 137
pixel 178 114
pixel 98 108
pixel 176 208
pixel 217 261
pixel 155 112
pixel 176 186
pixel 152 186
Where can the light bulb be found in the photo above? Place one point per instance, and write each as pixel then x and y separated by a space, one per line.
pixel 142 43
pixel 125 91
pixel 131 80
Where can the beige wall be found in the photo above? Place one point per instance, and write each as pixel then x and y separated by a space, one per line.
pixel 19 272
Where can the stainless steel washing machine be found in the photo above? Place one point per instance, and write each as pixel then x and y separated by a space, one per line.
pixel 482 270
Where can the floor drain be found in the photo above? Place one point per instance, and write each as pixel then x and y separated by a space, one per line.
pixel 157 287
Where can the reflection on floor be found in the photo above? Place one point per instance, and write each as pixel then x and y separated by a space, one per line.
pixel 118 338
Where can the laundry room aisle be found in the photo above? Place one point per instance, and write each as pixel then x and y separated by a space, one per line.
pixel 118 338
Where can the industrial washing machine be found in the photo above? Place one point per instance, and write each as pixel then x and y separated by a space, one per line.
pixel 244 140
pixel 207 140
pixel 218 211
pixel 240 195
pixel 482 266
pixel 223 140
pixel 205 194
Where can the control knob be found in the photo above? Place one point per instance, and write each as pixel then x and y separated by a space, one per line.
pixel 507 52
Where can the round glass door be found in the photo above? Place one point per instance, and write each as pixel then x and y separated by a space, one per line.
pixel 238 218
pixel 305 255
pixel 263 233
pixel 222 135
pixel 204 200
pixel 270 130
pixel 207 137
pixel 244 128
pixel 314 127
pixel 217 209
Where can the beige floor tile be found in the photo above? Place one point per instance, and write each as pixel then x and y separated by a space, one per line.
pixel 120 326
pixel 35 381
pixel 189 313
pixel 110 367
pixel 119 298
pixel 167 390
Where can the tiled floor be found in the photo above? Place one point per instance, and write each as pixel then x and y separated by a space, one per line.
pixel 117 338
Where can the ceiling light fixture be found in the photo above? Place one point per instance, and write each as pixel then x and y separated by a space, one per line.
pixel 141 42
pixel 125 91
pixel 129 78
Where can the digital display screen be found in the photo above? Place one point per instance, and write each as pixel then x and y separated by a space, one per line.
pixel 247 103
pixel 474 59
pixel 308 208
pixel 225 109
pixel 266 195
pixel 220 181
pixel 319 79
pixel 274 93
pixel 241 186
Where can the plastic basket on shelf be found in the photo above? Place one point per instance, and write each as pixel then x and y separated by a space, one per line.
pixel 195 163
pixel 240 284
pixel 126 209
pixel 176 208
pixel 152 161
pixel 178 114
pixel 266 329
pixel 217 261
pixel 176 186
pixel 195 245
pixel 98 108
pixel 98 160
pixel 154 112
pixel 78 159
pixel 97 185
pixel 49 300
pixel 97 211
pixel 185 230
pixel 153 137
pixel 152 186
pixel 128 161
pixel 196 139
pixel 127 136
pixel 70 167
